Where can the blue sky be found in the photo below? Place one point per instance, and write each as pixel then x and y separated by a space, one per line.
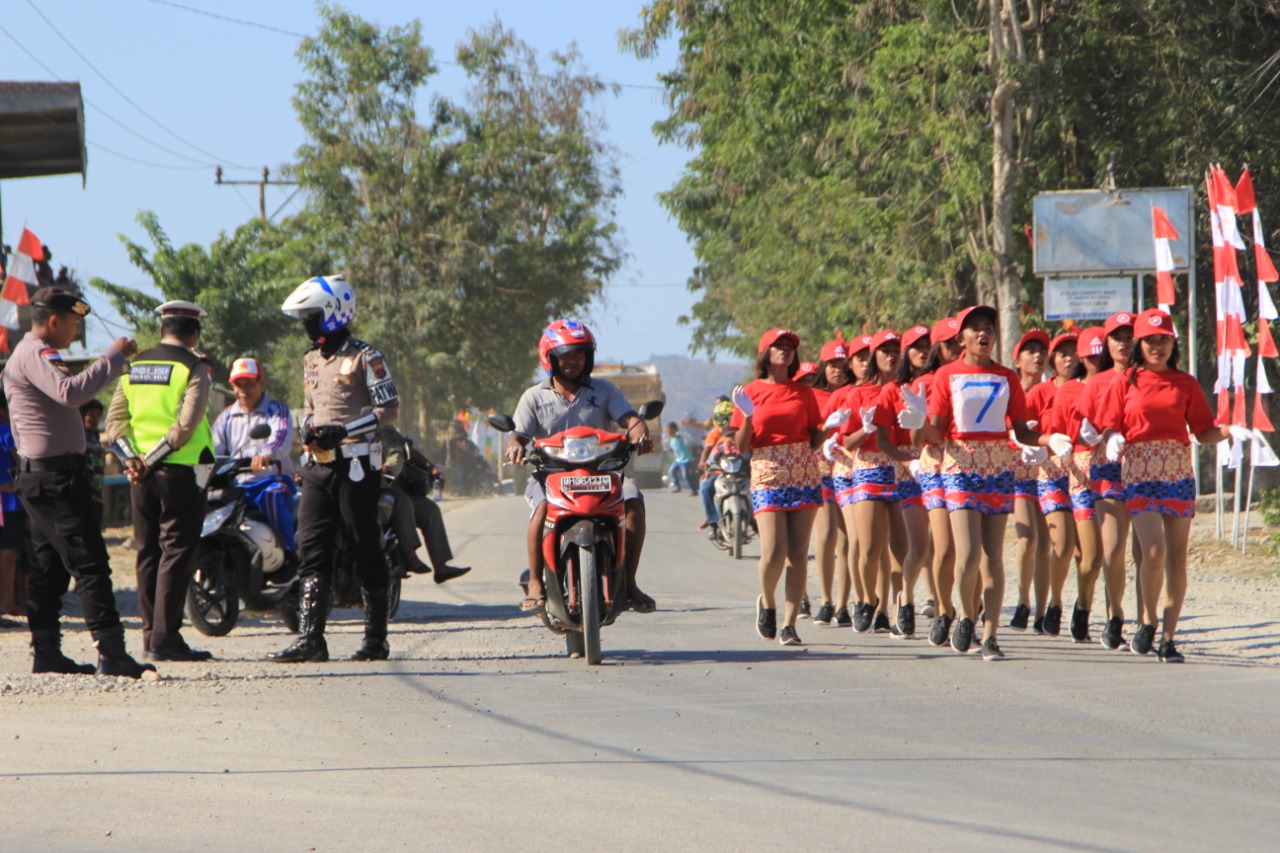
pixel 207 91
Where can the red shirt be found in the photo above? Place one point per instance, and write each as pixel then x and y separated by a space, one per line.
pixel 1064 414
pixel 1039 401
pixel 1158 405
pixel 822 395
pixel 977 403
pixel 890 406
pixel 860 397
pixel 785 413
pixel 1097 404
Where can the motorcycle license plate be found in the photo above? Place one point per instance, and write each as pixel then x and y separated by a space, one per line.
pixel 591 483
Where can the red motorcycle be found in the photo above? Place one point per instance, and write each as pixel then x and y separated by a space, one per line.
pixel 583 544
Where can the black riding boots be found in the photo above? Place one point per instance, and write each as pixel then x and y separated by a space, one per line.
pixel 113 659
pixel 375 645
pixel 313 611
pixel 47 656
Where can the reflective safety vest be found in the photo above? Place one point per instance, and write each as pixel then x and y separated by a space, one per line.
pixel 154 386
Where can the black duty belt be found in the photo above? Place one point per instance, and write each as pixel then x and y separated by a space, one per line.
pixel 65 462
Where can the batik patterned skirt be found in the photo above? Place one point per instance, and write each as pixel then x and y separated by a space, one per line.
pixel 909 491
pixel 1083 497
pixel 1053 486
pixel 828 482
pixel 929 476
pixel 871 478
pixel 785 478
pixel 1024 477
pixel 1158 478
pixel 978 475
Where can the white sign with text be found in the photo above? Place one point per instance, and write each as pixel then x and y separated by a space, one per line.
pixel 1086 298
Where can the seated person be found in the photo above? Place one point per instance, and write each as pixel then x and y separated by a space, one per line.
pixel 413 510
pixel 270 487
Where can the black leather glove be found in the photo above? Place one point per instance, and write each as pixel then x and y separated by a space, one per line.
pixel 326 437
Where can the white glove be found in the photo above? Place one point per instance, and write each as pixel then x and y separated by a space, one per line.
pixel 914 402
pixel 868 428
pixel 829 449
pixel 1115 446
pixel 1033 424
pixel 1089 433
pixel 914 467
pixel 1060 444
pixel 742 401
pixel 837 419
pixel 1034 455
pixel 1239 433
pixel 910 419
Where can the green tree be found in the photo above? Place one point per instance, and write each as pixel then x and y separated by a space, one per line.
pixel 465 234
pixel 872 163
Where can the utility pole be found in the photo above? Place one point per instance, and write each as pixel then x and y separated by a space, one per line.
pixel 262 187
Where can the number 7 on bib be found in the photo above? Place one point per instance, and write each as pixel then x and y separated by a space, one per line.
pixel 979 402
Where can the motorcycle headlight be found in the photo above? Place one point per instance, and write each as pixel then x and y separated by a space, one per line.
pixel 581 449
pixel 214 520
pixel 731 465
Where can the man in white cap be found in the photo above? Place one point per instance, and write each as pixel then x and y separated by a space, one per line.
pixel 270 485
pixel 157 426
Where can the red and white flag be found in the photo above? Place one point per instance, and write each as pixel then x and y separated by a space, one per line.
pixel 22 272
pixel 1232 345
pixel 1162 231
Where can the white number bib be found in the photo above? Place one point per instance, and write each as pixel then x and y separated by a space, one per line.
pixel 979 402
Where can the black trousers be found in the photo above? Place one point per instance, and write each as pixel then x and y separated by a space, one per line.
pixel 418 512
pixel 66 543
pixel 331 498
pixel 168 513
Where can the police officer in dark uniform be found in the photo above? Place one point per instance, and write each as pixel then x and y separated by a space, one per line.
pixel 53 482
pixel 157 426
pixel 349 394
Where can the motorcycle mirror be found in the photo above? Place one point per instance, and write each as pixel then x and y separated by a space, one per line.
pixel 501 422
pixel 259 431
pixel 650 410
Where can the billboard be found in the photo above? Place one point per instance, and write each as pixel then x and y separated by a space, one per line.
pixel 1092 232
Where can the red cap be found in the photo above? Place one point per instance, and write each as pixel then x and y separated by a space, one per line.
pixel 944 330
pixel 977 311
pixel 1033 335
pixel 882 337
pixel 807 368
pixel 915 333
pixel 245 368
pixel 835 349
pixel 772 336
pixel 858 344
pixel 1115 321
pixel 1091 341
pixel 1062 339
pixel 1153 321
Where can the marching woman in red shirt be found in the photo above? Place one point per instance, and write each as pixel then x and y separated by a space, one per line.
pixel 902 404
pixel 859 350
pixel 830 544
pixel 1053 491
pixel 1152 412
pixel 778 421
pixel 874 487
pixel 1067 418
pixel 1029 356
pixel 1105 475
pixel 944 349
pixel 975 401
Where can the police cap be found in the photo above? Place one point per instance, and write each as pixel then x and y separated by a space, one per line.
pixel 62 301
pixel 181 308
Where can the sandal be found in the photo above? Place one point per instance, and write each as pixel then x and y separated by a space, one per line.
pixel 641 603
pixel 534 605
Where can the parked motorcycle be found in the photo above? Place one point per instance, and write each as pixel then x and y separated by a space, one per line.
pixel 240 564
pixel 583 546
pixel 733 503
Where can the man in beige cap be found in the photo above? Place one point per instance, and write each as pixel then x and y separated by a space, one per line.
pixel 53 482
pixel 157 426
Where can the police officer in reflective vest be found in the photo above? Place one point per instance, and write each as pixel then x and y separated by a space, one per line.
pixel 53 482
pixel 156 425
pixel 348 395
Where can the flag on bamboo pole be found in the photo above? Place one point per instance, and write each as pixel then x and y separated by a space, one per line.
pixel 1246 198
pixel 1162 232
pixel 1232 345
pixel 22 273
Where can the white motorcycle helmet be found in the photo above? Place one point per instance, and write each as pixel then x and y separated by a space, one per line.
pixel 328 294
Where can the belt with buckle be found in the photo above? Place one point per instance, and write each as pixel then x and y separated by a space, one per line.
pixel 65 462
pixel 342 451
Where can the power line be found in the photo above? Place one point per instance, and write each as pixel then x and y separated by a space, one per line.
pixel 105 114
pixel 270 28
pixel 101 147
pixel 121 93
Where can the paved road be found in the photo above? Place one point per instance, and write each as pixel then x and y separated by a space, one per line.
pixel 694 734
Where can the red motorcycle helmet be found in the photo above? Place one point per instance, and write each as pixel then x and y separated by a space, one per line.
pixel 561 337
